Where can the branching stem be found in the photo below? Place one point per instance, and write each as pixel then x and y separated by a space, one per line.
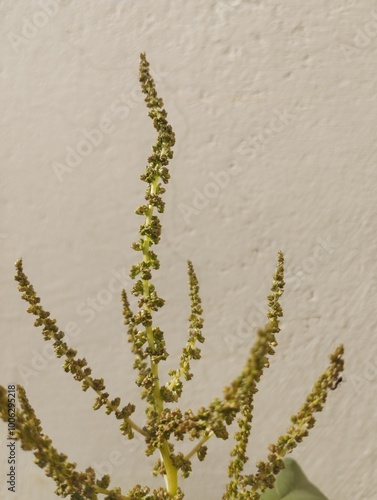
pixel 199 445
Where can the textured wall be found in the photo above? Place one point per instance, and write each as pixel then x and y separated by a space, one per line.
pixel 273 104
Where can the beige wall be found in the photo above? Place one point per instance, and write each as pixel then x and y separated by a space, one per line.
pixel 274 108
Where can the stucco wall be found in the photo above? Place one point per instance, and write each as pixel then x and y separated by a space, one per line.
pixel 274 105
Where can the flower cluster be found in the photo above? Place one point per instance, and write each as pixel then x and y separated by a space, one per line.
pixel 79 485
pixel 164 425
pixel 78 367
pixel 146 340
pixel 242 389
pixel 173 389
pixel 251 486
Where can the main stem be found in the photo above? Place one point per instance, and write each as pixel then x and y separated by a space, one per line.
pixel 171 476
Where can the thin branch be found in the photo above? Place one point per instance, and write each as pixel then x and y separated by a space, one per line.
pixel 77 366
pixel 199 445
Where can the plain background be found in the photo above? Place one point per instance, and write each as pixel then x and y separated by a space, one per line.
pixel 274 105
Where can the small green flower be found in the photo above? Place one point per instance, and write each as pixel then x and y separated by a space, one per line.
pixel 166 426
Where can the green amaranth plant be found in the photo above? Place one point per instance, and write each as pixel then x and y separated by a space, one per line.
pixel 166 423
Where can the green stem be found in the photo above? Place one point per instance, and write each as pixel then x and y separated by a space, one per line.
pixel 171 476
pixel 128 419
pixel 146 258
pixel 199 445
pixel 104 491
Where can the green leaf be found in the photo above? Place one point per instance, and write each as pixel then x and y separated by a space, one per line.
pixel 292 484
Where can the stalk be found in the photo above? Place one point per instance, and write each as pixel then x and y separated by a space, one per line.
pixel 171 476
pixel 149 342
pixel 159 404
